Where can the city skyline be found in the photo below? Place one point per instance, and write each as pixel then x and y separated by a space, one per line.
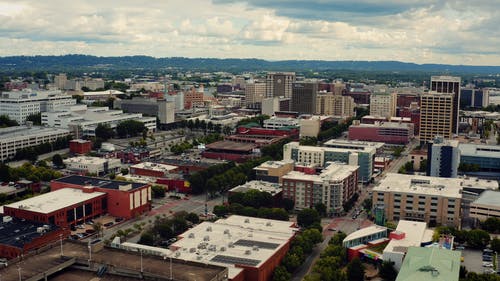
pixel 426 31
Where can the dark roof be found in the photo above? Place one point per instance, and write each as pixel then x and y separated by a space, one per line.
pixel 97 182
pixel 19 232
pixel 231 146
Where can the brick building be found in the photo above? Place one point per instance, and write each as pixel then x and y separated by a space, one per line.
pixel 80 146
pixel 150 169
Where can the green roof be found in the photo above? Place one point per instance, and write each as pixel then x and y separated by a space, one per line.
pixel 250 125
pixel 430 263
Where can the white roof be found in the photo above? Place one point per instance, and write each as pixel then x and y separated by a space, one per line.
pixel 235 240
pixel 415 234
pixel 272 188
pixel 273 164
pixel 154 166
pixel 415 184
pixel 55 200
pixel 373 229
pixel 333 172
pixel 490 198
pixel 86 160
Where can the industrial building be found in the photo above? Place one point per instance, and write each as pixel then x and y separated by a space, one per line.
pixel 18 137
pixel 251 248
pixel 80 146
pixel 163 109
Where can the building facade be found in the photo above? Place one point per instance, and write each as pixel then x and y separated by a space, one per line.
pixel 436 116
pixel 449 85
pixel 333 104
pixel 255 92
pixel 304 97
pixel 383 104
pixel 387 132
pixel 486 206
pixel 273 171
pixel 279 84
pixel 93 165
pixel 487 157
pixel 443 158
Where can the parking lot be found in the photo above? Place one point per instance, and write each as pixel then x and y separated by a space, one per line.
pixel 473 260
pixel 86 229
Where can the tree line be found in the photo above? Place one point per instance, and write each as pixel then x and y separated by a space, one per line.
pixel 167 228
pixel 32 153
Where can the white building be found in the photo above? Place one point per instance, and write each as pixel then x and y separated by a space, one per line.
pixel 14 138
pixel 383 104
pixel 83 120
pixel 262 186
pixel 93 165
pixel 255 92
pixel 18 105
pixel 280 122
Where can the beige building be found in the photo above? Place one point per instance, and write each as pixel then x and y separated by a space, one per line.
pixel 486 206
pixel 383 104
pixel 436 116
pixel 279 84
pixel 420 198
pixel 310 127
pixel 273 171
pixel 333 104
pixel 255 92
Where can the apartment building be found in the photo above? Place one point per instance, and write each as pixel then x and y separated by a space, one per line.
pixel 255 92
pixel 387 132
pixel 333 104
pixel 443 157
pixel 449 85
pixel 334 186
pixel 383 104
pixel 436 116
pixel 420 198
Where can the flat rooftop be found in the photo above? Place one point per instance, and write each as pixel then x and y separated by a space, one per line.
pixel 154 166
pixel 353 144
pixel 415 233
pixel 415 184
pixel 234 241
pixel 97 182
pixel 55 200
pixel 17 232
pixel 479 150
pixel 391 125
pixel 231 145
pixel 86 160
pixel 25 131
pixel 489 197
pixel 370 230
pixel 430 264
pixel 274 164
pixel 334 148
pixel 272 188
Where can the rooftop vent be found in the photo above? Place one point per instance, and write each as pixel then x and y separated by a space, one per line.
pixel 255 248
pixel 192 250
pixel 226 231
pixel 177 254
pixel 222 249
pixel 248 252
pixel 209 229
pixel 247 220
pixel 230 245
pixel 269 223
pixel 206 238
pixel 191 235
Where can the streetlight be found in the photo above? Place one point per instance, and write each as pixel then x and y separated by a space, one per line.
pixel 60 239
pixel 171 273
pixel 142 268
pixel 19 270
pixel 90 252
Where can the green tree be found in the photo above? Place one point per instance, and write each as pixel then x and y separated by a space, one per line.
pixel 367 204
pixel 36 118
pixel 57 161
pixel 291 262
pixel 104 132
pixel 308 217
pixel 478 238
pixel 158 191
pixel 192 217
pixel 495 245
pixel 5 121
pixel 355 270
pixel 387 271
pixel 320 208
pixel 147 238
pixel 288 204
pixel 130 128
pixel 281 274
pixel 423 165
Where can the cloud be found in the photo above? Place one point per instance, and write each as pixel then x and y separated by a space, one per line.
pixel 422 31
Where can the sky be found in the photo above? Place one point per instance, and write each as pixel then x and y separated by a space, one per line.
pixel 421 31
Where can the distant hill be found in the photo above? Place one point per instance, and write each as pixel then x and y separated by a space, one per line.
pixel 86 62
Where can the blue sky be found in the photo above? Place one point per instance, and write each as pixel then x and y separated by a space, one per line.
pixel 425 31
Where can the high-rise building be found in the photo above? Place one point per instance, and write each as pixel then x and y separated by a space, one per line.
pixel 472 97
pixel 443 157
pixel 383 104
pixel 279 84
pixel 255 92
pixel 304 97
pixel 60 81
pixel 449 85
pixel 333 104
pixel 436 116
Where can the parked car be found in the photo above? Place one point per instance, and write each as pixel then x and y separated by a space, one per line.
pixel 108 224
pixel 460 248
pixel 487 264
pixel 4 263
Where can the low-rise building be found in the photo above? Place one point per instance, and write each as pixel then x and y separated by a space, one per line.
pixel 14 138
pixel 251 248
pixel 80 146
pixel 273 171
pixel 333 187
pixel 150 169
pixel 486 156
pixel 387 132
pixel 420 198
pixel 430 264
pixel 443 157
pixel 280 122
pixel 263 186
pixel 486 206
pixel 92 165
pixel 164 110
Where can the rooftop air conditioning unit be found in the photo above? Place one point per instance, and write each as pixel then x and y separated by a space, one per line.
pixel 248 252
pixel 191 235
pixel 206 238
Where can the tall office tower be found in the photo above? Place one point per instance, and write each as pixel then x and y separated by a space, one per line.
pixel 279 84
pixel 255 92
pixel 304 97
pixel 436 116
pixel 443 157
pixel 333 104
pixel 449 85
pixel 383 104
pixel 60 81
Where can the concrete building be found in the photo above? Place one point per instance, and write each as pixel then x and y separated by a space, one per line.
pixel 62 207
pixel 83 120
pixel 383 104
pixel 449 85
pixel 310 127
pixel 364 235
pixel 436 116
pixel 407 234
pixel 486 156
pixel 279 84
pixel 122 199
pixel 333 104
pixel 164 110
pixel 92 165
pixel 387 132
pixel 486 206
pixel 14 138
pixel 420 198
pixel 304 97
pixel 430 264
pixel 255 92
pixel 322 155
pixel 18 105
pixel 443 157
pixel 273 171
pixel 280 122
pixel 251 248
pixel 356 145
pixel 60 81
pixel 274 189
pixel 272 105
pixel 473 97
pixel 150 169
pixel 333 187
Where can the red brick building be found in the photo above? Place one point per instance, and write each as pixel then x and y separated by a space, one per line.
pixel 387 132
pixel 80 146
pixel 149 169
pixel 123 199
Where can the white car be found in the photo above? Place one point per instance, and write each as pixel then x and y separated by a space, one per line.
pixel 487 264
